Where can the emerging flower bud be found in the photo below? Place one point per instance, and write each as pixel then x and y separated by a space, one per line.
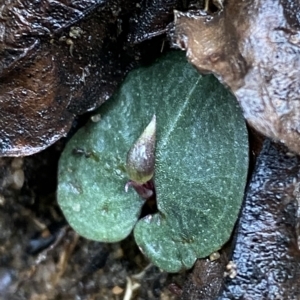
pixel 140 158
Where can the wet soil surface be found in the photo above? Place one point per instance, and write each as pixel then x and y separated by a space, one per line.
pixel 41 257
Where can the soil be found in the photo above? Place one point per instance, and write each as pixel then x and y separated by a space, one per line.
pixel 41 257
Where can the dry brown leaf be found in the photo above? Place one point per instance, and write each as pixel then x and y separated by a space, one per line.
pixel 266 248
pixel 253 47
pixel 50 72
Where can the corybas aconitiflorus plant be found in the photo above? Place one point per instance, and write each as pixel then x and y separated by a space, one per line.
pixel 200 165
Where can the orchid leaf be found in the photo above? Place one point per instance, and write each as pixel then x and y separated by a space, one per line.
pixel 201 161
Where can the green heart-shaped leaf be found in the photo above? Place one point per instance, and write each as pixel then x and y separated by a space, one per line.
pixel 200 169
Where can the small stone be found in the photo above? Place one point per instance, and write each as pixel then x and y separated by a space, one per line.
pixel 75 32
pixel 117 290
pixel 231 270
pixel 17 163
pixel 96 118
pixel 2 200
pixel 233 274
pixel 118 253
pixel 214 256
pixel 231 265
pixel 18 179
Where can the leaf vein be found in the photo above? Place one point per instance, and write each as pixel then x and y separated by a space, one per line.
pixel 179 114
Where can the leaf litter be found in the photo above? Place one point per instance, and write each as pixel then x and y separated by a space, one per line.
pixel 290 14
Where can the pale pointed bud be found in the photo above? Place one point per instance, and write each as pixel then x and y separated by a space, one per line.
pixel 141 157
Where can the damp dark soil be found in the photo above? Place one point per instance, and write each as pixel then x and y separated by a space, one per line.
pixel 41 257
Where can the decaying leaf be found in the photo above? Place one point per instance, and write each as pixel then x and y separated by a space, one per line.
pixel 23 23
pixel 50 72
pixel 33 110
pixel 266 251
pixel 254 48
pixel 153 18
